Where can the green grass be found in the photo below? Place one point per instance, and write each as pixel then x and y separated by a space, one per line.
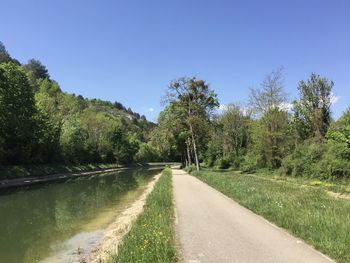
pixel 338 186
pixel 10 172
pixel 151 238
pixel 306 212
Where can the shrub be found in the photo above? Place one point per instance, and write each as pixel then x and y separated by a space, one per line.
pixel 333 165
pixel 325 161
pixel 250 163
pixel 223 163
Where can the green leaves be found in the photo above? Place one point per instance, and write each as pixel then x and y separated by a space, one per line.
pixel 312 112
pixel 17 115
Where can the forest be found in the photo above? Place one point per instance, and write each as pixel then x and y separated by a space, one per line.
pixel 41 124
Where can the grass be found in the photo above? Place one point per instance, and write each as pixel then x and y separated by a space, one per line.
pixel 338 186
pixel 341 186
pixel 10 172
pixel 151 238
pixel 306 212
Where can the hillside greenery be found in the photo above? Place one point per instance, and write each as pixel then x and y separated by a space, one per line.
pixel 41 124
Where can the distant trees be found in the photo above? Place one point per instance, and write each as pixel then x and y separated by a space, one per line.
pixel 42 124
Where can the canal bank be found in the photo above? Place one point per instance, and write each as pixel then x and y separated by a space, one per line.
pixel 56 219
pixel 26 181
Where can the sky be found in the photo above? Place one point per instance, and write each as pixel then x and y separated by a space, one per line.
pixel 129 51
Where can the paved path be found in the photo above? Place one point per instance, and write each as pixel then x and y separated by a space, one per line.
pixel 212 228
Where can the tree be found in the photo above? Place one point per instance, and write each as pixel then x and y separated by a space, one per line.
pixel 36 71
pixel 339 131
pixel 271 94
pixel 214 151
pixel 312 113
pixel 194 101
pixel 73 140
pixel 5 56
pixel 235 124
pixel 271 138
pixel 17 115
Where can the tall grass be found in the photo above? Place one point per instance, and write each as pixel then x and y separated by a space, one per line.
pixel 151 238
pixel 306 212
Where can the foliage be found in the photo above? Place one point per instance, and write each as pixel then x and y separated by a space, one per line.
pixel 152 238
pixel 339 131
pixel 36 71
pixel 235 123
pixel 312 112
pixel 5 56
pixel 192 101
pixel 326 160
pixel 271 138
pixel 41 124
pixel 223 162
pixel 17 116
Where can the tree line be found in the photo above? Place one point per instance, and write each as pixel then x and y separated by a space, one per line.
pixel 41 124
pixel 298 138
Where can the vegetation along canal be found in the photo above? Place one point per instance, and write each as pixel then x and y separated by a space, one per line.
pixel 45 222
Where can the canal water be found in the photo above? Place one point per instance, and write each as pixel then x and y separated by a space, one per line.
pixel 39 222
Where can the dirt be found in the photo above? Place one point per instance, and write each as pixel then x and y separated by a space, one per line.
pixel 339 195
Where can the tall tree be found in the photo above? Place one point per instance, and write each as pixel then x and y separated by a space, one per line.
pixel 195 102
pixel 312 113
pixel 268 102
pixel 271 94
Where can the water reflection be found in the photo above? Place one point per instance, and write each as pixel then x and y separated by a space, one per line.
pixel 33 220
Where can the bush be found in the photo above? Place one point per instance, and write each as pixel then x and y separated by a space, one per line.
pixel 335 163
pixel 223 163
pixel 325 161
pixel 250 163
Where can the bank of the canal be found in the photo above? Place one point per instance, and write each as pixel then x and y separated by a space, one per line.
pixel 54 220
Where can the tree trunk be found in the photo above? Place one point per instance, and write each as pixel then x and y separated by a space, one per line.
pixel 189 161
pixel 194 148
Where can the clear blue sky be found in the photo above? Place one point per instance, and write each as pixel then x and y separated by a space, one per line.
pixel 129 50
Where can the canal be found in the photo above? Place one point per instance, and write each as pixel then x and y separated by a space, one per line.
pixel 43 222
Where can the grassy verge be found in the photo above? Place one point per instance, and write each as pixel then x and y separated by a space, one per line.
pixel 338 186
pixel 151 238
pixel 306 212
pixel 10 172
